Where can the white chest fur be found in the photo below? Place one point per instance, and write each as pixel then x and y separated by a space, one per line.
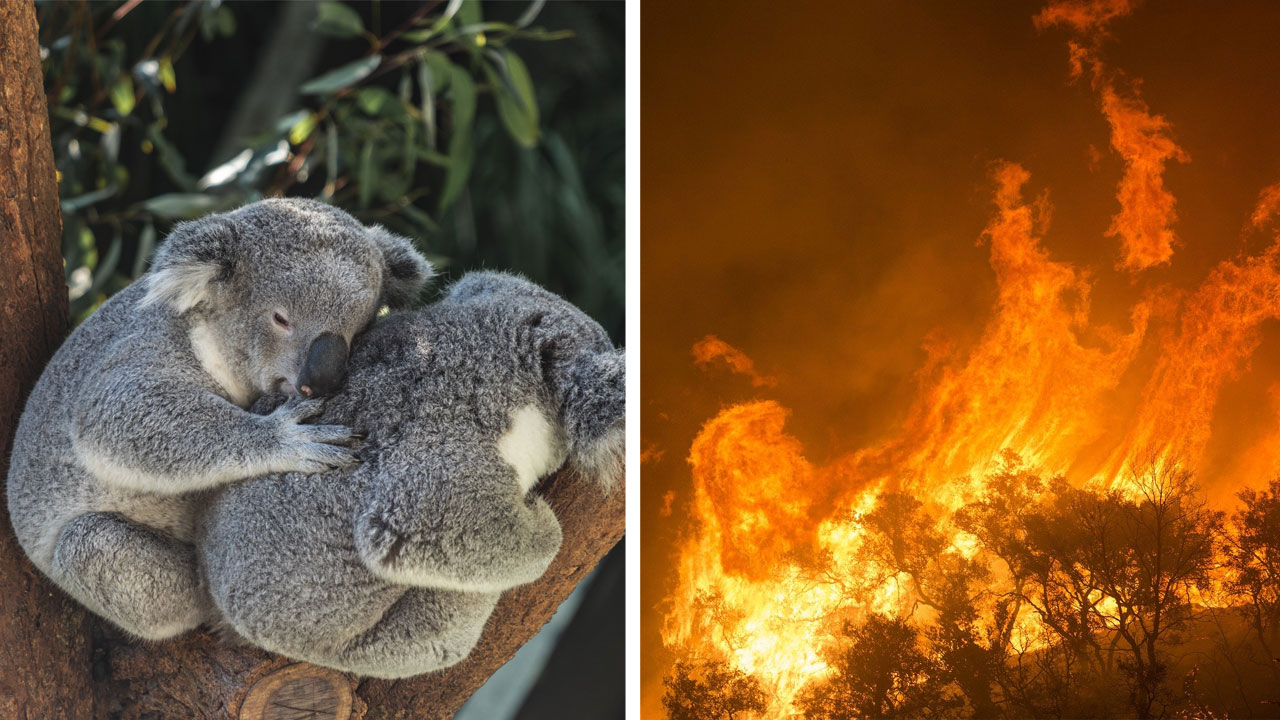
pixel 530 446
pixel 212 360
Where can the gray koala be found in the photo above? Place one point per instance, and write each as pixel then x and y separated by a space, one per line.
pixel 143 410
pixel 390 569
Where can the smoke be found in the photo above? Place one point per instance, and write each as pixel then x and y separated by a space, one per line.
pixel 711 348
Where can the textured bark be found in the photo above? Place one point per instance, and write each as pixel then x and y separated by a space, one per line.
pixel 44 638
pixel 196 677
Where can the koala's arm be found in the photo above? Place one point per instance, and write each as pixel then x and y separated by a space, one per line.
pixel 164 433
pixel 478 533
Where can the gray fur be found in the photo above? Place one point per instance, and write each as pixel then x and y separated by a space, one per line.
pixel 143 410
pixel 391 568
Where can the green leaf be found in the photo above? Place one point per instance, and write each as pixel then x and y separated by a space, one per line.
pixel 303 128
pixel 461 156
pixel 461 146
pixel 441 70
pixel 225 21
pixel 469 12
pixel 338 20
pixel 79 202
pixel 343 77
pixel 171 159
pixel 423 220
pixel 366 173
pixel 464 99
pixel 426 85
pixel 376 101
pixel 167 76
pixel 182 206
pixel 105 268
pixel 517 103
pixel 122 95
pixel 146 244
pixel 417 36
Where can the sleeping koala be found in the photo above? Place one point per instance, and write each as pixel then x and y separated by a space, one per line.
pixel 143 409
pixel 390 569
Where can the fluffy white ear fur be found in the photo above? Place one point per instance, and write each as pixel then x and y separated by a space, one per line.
pixel 182 286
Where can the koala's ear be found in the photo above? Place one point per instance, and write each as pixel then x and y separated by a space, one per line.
pixel 196 255
pixel 406 271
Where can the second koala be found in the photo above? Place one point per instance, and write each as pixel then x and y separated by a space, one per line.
pixel 143 409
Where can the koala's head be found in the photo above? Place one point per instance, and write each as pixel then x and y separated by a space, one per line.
pixel 279 288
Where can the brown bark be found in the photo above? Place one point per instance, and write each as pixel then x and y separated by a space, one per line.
pixel 44 638
pixel 196 677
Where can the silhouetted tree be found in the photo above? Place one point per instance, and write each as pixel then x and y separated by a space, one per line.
pixel 1149 546
pixel 710 690
pixel 1253 564
pixel 882 672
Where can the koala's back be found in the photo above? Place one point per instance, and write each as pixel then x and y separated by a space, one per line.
pixel 47 484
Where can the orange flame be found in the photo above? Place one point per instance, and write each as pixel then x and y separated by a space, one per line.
pixel 1144 223
pixel 711 348
pixel 1043 380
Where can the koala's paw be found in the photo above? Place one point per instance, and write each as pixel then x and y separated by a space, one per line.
pixel 313 448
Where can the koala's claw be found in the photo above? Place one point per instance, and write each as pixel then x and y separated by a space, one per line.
pixel 297 411
pixel 328 457
pixel 329 434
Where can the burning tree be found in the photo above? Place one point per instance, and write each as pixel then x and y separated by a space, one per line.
pixel 711 690
pixel 881 672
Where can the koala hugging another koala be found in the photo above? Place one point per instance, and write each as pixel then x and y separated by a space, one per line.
pixel 143 411
pixel 391 568
pixel 162 477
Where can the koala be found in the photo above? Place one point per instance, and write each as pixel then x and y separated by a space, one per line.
pixel 391 568
pixel 143 411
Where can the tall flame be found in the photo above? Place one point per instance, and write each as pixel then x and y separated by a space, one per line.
pixel 1043 380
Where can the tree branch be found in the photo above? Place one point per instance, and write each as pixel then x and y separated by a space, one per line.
pixel 44 638
pixel 196 677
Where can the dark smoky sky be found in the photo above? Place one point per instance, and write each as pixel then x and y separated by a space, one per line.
pixel 815 184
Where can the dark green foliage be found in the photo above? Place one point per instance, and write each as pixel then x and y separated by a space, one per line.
pixel 491 134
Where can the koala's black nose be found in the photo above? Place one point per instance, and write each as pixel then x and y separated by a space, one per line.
pixel 326 366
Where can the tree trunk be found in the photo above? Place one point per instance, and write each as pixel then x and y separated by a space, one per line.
pixel 54 661
pixel 44 638
pixel 196 677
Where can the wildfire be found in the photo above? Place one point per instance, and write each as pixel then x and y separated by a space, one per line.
pixel 754 583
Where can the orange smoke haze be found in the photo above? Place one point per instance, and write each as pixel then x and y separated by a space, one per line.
pixel 711 348
pixel 823 212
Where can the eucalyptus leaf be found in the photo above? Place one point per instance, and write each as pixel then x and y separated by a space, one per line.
pixel 426 83
pixel 171 159
pixel 376 101
pixel 343 77
pixel 122 95
pixel 182 206
pixel 79 202
pixel 146 245
pixel 338 20
pixel 461 145
pixel 303 128
pixel 517 103
pixel 469 12
pixel 461 157
pixel 106 267
pixel 464 99
pixel 366 187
